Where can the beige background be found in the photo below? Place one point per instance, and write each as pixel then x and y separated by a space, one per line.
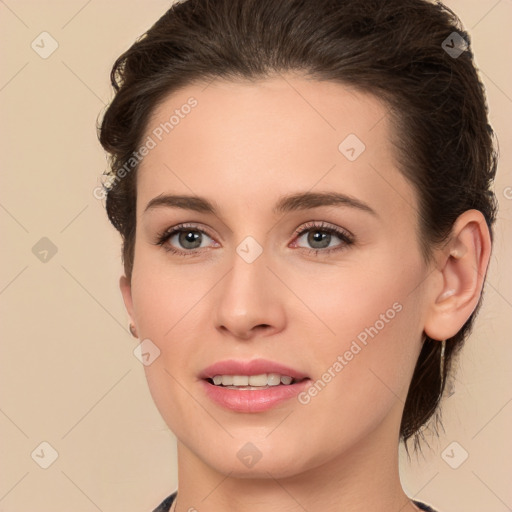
pixel 68 373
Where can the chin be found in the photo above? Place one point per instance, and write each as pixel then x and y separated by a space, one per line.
pixel 248 462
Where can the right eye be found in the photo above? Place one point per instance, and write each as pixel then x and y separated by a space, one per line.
pixel 186 239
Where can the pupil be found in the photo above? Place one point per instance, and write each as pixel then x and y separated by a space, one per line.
pixel 322 236
pixel 189 237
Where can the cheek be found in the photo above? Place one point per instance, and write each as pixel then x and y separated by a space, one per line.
pixel 359 299
pixel 167 304
pixel 370 315
pixel 379 348
pixel 363 371
pixel 163 296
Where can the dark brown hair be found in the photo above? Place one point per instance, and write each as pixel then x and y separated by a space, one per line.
pixel 402 51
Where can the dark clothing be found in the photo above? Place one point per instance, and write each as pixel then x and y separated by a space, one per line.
pixel 421 505
pixel 166 504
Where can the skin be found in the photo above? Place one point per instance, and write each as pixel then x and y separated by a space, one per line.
pixel 243 147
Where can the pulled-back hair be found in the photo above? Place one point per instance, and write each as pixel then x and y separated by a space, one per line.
pixel 414 55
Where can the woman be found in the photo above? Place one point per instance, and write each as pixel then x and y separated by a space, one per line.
pixel 303 189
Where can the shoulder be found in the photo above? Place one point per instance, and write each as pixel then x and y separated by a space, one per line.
pixel 423 506
pixel 166 504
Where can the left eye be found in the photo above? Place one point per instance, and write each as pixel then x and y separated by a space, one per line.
pixel 319 237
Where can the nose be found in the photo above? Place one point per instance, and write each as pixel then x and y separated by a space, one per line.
pixel 250 300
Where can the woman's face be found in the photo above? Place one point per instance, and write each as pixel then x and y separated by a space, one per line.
pixel 266 277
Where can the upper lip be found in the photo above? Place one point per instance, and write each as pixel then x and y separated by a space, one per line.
pixel 252 367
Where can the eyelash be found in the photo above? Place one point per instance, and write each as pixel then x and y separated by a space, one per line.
pixel 346 238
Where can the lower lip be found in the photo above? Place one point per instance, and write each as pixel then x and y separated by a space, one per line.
pixel 249 400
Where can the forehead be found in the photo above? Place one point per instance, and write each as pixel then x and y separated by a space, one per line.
pixel 245 111
pixel 243 141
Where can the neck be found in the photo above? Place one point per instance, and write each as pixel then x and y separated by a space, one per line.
pixel 364 478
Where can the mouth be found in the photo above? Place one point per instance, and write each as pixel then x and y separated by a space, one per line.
pixel 252 386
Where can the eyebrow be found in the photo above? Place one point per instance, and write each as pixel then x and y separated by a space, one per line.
pixel 288 203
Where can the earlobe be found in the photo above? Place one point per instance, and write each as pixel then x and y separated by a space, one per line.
pixel 463 264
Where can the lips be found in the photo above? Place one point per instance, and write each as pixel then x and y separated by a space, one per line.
pixel 249 399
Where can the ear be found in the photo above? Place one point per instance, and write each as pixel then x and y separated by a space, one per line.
pixel 462 263
pixel 126 291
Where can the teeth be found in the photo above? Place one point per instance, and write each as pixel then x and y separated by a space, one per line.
pixel 262 380
pixel 274 379
pixel 257 380
pixel 227 380
pixel 239 380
